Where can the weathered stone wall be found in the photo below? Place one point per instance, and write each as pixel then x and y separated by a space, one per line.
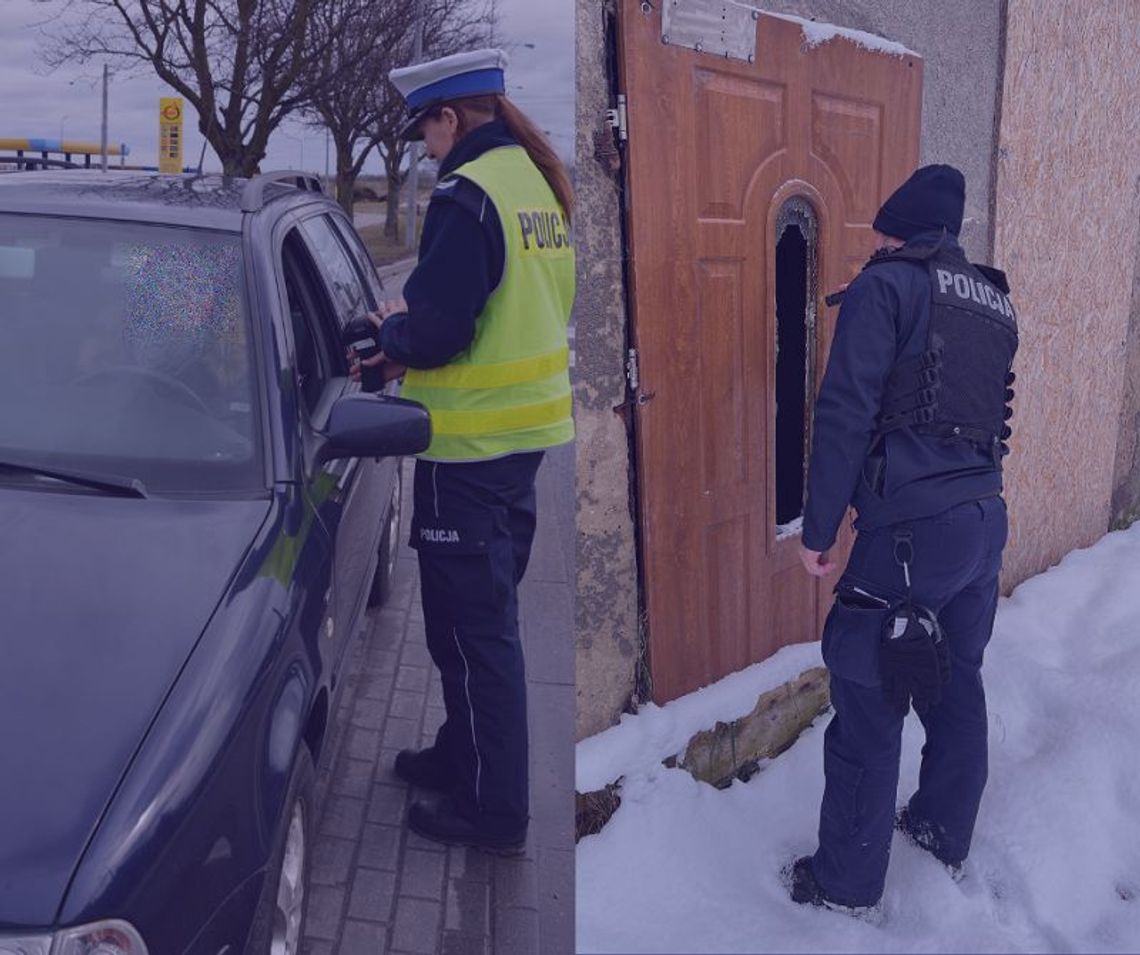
pixel 1126 482
pixel 960 42
pixel 606 611
pixel 1068 211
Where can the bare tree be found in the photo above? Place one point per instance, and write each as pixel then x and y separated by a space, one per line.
pixel 237 62
pixel 347 89
pixel 345 101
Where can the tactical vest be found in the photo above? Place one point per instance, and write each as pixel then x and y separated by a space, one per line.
pixel 960 386
pixel 510 390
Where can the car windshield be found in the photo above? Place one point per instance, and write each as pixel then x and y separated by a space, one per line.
pixel 125 350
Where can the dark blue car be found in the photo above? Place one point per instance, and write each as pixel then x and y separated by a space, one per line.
pixel 196 506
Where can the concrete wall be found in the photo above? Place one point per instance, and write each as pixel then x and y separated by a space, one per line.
pixel 607 608
pixel 1068 212
pixel 960 42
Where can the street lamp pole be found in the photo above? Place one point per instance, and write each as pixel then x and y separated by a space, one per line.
pixel 103 139
pixel 414 148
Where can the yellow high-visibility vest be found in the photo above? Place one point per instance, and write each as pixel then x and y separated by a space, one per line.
pixel 510 390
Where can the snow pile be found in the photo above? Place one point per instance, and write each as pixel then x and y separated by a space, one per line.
pixel 791 529
pixel 638 744
pixel 816 34
pixel 1055 865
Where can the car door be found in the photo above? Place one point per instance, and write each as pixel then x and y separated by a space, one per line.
pixel 367 483
pixel 321 377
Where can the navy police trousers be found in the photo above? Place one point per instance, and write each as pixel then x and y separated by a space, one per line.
pixel 472 526
pixel 957 559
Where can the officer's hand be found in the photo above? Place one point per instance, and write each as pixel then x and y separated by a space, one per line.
pixel 817 563
pixel 356 363
pixel 392 370
pixel 387 309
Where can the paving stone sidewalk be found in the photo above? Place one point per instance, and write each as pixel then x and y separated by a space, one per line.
pixel 378 888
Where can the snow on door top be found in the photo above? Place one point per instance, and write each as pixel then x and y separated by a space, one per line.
pixel 725 28
pixel 816 34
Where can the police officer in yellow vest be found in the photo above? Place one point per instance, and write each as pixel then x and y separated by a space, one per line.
pixel 483 337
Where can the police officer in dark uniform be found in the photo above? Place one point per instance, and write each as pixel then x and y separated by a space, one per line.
pixel 482 334
pixel 910 428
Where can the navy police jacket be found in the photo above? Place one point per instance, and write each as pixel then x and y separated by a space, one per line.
pixel 884 318
pixel 461 259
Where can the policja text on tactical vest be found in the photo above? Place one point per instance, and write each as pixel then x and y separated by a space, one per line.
pixel 970 289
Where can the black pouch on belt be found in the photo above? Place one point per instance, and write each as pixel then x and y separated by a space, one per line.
pixel 914 660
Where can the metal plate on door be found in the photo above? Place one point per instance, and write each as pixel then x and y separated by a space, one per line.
pixel 718 27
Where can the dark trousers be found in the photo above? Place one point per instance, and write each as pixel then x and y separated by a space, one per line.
pixel 957 559
pixel 472 525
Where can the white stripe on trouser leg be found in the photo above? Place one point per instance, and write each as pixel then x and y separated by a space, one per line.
pixel 471 710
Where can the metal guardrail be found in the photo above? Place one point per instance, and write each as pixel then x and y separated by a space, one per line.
pixel 65 146
pixel 29 163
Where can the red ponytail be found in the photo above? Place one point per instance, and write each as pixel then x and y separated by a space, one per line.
pixel 529 136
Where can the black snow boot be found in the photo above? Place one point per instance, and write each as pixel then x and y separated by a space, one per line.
pixel 806 891
pixel 925 837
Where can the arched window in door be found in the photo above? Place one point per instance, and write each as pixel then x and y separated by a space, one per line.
pixel 797 257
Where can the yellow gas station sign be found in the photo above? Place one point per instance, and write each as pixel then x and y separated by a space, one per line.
pixel 170 134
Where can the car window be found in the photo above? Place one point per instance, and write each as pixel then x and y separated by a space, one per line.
pixel 125 349
pixel 348 291
pixel 318 357
pixel 360 254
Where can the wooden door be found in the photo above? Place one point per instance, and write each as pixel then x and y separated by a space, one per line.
pixel 717 147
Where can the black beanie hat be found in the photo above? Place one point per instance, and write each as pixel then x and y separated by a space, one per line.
pixel 932 199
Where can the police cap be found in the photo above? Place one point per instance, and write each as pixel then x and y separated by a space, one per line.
pixel 424 85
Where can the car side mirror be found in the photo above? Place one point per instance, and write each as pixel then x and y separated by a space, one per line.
pixel 374 426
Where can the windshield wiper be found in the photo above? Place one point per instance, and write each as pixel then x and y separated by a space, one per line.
pixel 109 484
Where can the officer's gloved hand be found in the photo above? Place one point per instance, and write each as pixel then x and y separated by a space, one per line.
pixel 909 664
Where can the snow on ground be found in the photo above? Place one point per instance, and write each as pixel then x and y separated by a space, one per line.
pixel 1055 864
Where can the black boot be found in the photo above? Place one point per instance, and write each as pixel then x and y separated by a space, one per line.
pixel 806 891
pixel 424 768
pixel 925 837
pixel 443 823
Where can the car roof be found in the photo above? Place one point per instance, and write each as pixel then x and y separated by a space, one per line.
pixel 208 201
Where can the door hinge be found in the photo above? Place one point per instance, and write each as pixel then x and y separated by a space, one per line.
pixel 637 398
pixel 617 118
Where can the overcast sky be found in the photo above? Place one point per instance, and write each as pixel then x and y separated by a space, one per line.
pixel 38 104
